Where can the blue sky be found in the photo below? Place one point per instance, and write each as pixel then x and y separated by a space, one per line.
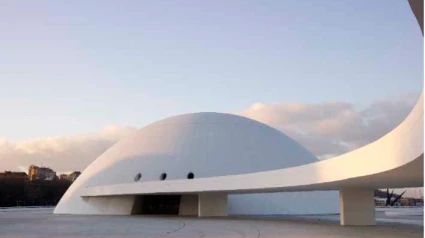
pixel 76 66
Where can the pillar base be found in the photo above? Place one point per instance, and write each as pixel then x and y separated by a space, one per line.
pixel 188 205
pixel 110 205
pixel 212 204
pixel 357 207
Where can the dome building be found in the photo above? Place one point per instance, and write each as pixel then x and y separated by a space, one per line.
pixel 193 146
pixel 206 164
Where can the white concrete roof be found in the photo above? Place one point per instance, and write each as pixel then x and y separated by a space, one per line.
pixel 395 160
pixel 206 144
pixel 186 142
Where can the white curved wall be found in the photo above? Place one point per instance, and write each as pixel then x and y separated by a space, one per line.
pixel 309 202
pixel 395 160
pixel 207 144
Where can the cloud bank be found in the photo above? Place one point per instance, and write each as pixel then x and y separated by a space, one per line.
pixel 332 128
pixel 67 153
pixel 327 129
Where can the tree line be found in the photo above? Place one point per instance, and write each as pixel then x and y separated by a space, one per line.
pixel 18 192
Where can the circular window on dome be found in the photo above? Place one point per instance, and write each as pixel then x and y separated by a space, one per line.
pixel 190 175
pixel 163 176
pixel 137 177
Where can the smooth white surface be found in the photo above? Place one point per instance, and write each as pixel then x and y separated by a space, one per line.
pixel 395 160
pixel 114 205
pixel 189 205
pixel 208 145
pixel 212 205
pixel 357 206
pixel 294 203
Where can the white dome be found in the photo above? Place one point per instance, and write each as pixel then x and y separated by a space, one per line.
pixel 206 144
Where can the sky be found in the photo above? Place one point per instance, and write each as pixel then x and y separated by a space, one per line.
pixel 76 76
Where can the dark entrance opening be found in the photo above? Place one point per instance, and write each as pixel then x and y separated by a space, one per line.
pixel 161 204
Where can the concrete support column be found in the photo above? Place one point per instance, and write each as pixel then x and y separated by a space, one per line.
pixel 110 205
pixel 357 206
pixel 212 204
pixel 189 205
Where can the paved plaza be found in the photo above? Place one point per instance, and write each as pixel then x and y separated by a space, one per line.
pixel 41 223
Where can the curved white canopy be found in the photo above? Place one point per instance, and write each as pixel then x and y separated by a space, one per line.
pixel 395 160
pixel 204 144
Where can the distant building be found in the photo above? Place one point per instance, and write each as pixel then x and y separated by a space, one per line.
pixel 407 202
pixel 14 175
pixel 412 202
pixel 74 175
pixel 41 173
pixel 380 202
pixel 71 177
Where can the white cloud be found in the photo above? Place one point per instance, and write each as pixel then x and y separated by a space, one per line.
pixel 332 128
pixel 65 153
pixel 327 129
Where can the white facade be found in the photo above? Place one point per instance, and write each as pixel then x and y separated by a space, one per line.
pixel 243 157
pixel 232 155
pixel 207 145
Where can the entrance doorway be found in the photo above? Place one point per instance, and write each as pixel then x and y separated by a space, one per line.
pixel 161 204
